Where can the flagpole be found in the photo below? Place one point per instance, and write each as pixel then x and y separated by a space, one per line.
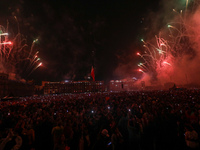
pixel 93 71
pixel 93 55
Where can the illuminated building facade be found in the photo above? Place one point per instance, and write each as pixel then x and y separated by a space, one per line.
pixel 73 87
pixel 122 85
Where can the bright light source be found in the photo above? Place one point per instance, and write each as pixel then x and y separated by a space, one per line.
pixel 140 70
pixel 3 34
pixel 138 53
pixel 169 26
pixel 4 43
pixel 35 40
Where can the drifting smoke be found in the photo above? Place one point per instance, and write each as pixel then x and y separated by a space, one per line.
pixel 174 56
pixel 125 69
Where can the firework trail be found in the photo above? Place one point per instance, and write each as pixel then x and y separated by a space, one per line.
pixel 40 64
pixel 175 54
pixel 14 54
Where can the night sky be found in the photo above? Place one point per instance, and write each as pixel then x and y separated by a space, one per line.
pixel 76 35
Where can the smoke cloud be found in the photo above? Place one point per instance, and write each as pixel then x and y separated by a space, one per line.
pixel 184 54
pixel 176 26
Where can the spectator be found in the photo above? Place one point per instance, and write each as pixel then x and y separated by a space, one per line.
pixel 12 142
pixel 103 141
pixel 191 138
pixel 156 119
pixel 57 132
pixel 117 139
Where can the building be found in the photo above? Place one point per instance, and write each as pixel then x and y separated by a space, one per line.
pixel 73 87
pixel 3 84
pixel 122 85
pixel 14 88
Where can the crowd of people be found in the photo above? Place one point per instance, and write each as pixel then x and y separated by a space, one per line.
pixel 139 120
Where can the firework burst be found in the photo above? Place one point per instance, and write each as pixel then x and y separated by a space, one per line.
pixel 175 54
pixel 15 56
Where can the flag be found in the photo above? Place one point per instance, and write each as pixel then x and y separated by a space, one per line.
pixel 92 74
pixel 107 98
